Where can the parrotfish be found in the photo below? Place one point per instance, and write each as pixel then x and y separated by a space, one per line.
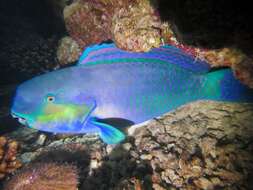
pixel 108 82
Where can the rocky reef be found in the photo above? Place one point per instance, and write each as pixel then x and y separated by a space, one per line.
pixel 202 145
pixel 88 22
pixel 139 25
pixel 8 157
pixel 68 51
pixel 134 25
pixel 44 176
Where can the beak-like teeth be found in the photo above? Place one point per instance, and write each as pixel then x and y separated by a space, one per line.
pixel 20 119
pixel 14 116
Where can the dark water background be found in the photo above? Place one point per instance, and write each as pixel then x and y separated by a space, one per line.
pixel 29 34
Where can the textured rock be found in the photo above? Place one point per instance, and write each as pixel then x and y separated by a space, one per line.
pixel 88 22
pixel 244 71
pixel 137 27
pixel 134 25
pixel 211 145
pixel 202 145
pixel 8 157
pixel 68 51
pixel 44 176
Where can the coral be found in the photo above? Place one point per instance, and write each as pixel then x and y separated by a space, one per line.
pixel 44 176
pixel 244 71
pixel 134 25
pixel 8 152
pixel 64 153
pixel 241 64
pixel 203 145
pixel 137 27
pixel 68 51
pixel 221 57
pixel 215 57
pixel 88 22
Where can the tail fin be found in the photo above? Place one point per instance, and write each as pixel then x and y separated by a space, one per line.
pixel 221 85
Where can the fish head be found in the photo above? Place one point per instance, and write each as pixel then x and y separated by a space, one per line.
pixel 51 104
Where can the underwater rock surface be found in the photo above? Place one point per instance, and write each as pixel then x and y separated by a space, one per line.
pixel 44 176
pixel 88 22
pixel 202 145
pixel 8 157
pixel 137 27
pixel 68 51
pixel 134 25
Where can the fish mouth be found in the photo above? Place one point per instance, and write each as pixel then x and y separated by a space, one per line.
pixel 21 119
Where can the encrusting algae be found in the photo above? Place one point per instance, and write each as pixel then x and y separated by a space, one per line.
pixel 44 176
pixel 8 160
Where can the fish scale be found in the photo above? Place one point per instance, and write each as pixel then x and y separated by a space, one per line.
pixel 143 79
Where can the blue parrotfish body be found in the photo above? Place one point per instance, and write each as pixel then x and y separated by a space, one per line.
pixel 111 83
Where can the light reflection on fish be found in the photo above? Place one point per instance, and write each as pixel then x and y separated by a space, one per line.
pixel 112 83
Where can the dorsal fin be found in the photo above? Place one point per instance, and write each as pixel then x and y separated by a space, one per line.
pixel 109 53
pixel 178 56
pixel 93 50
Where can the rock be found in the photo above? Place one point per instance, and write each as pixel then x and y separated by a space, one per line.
pixel 68 51
pixel 201 139
pixel 243 71
pixel 41 139
pixel 203 183
pixel 94 164
pixel 89 22
pixel 109 148
pixel 146 157
pixel 231 176
pixel 28 157
pixel 157 187
pixel 136 27
pixel 207 145
pixel 127 146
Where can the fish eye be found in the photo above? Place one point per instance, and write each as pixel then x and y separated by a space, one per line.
pixel 50 98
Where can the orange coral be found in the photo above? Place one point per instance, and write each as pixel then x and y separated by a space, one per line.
pixel 8 152
pixel 44 176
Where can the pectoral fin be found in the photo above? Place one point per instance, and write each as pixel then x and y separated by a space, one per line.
pixel 109 134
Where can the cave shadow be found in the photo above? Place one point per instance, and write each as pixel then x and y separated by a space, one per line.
pixel 209 24
pixel 120 170
pixel 8 124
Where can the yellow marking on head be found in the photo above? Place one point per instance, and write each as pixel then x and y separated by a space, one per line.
pixel 62 112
